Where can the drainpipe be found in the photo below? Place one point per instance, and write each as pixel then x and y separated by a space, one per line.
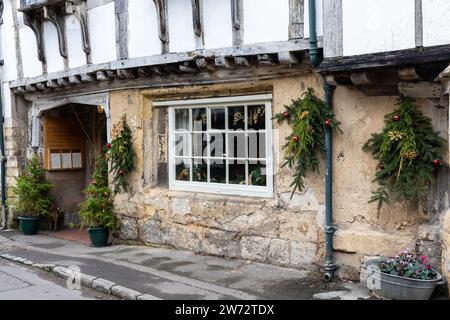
pixel 313 49
pixel 330 266
pixel 2 141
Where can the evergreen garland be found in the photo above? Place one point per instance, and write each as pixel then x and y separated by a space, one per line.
pixel 309 117
pixel 122 155
pixel 409 151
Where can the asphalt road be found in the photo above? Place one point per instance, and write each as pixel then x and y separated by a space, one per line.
pixel 20 283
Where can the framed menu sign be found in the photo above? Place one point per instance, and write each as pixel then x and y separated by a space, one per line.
pixel 63 144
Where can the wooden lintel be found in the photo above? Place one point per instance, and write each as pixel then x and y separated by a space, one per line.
pixel 206 64
pixel 288 58
pixel 30 88
pixel 52 84
pixel 225 62
pixel 408 74
pixel 87 77
pixel 40 86
pixel 74 79
pixel 420 89
pixel 379 90
pixel 126 74
pixel 63 82
pixel 101 76
pixel 188 68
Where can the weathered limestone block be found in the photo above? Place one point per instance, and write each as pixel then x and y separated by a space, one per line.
pixel 255 248
pixel 302 254
pixel 180 206
pixel 222 243
pixel 183 237
pixel 445 263
pixel 301 202
pixel 371 242
pixel 151 231
pixel 278 252
pixel 349 265
pixel 298 226
pixel 129 229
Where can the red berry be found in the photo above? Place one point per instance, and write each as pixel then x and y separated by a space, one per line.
pixel 121 172
pixel 296 138
pixel 436 163
pixel 108 146
pixel 328 122
pixel 396 118
pixel 286 115
pixel 381 166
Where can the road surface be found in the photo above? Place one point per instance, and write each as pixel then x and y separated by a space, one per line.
pixel 20 283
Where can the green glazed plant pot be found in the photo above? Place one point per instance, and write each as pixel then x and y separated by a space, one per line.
pixel 99 236
pixel 29 225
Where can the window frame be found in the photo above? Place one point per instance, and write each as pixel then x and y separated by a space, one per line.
pixel 221 188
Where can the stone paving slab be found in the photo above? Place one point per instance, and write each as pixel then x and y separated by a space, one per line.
pixel 161 273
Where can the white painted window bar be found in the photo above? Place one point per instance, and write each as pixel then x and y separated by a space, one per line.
pixel 221 145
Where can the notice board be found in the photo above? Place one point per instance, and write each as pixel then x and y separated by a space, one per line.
pixel 63 144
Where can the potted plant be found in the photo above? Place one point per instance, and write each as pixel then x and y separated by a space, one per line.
pixel 403 277
pixel 32 199
pixel 97 211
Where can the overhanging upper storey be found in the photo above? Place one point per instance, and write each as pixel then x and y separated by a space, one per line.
pixel 82 41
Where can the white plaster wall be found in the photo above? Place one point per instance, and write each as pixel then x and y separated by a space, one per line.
pixel 31 65
pixel 266 20
pixel 436 22
pixel 378 25
pixel 319 18
pixel 217 23
pixel 102 32
pixel 181 32
pixel 143 38
pixel 54 60
pixel 76 55
pixel 8 49
pixel 6 92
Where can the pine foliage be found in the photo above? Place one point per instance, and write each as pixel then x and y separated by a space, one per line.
pixel 309 117
pixel 409 151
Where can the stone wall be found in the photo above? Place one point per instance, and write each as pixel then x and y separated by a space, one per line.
pixel 280 231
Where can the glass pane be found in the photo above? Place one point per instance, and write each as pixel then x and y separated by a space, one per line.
pixel 199 144
pixel 76 160
pixel 182 145
pixel 66 160
pixel 182 169
pixel 217 171
pixel 217 145
pixel 218 119
pixel 236 117
pixel 256 117
pixel 236 172
pixel 199 119
pixel 236 145
pixel 256 144
pixel 182 119
pixel 257 173
pixel 200 171
pixel 55 161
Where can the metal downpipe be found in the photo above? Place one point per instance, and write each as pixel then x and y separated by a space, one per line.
pixel 330 266
pixel 2 141
pixel 313 49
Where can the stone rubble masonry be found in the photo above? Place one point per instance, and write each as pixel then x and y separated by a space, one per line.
pixel 445 266
pixel 88 281
pixel 284 230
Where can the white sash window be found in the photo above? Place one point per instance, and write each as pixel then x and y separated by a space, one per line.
pixel 221 145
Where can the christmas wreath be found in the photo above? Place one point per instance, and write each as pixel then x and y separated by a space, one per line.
pixel 408 151
pixel 122 155
pixel 309 117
